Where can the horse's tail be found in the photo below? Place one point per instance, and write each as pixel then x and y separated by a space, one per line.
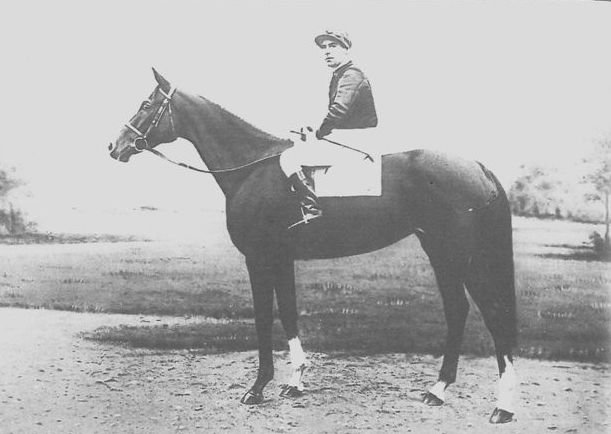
pixel 495 254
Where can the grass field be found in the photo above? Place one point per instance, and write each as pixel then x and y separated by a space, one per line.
pixel 385 301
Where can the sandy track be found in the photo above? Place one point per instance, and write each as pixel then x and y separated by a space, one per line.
pixel 53 381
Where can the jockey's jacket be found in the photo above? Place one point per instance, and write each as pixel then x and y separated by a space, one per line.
pixel 350 101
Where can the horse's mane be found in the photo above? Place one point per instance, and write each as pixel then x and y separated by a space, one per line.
pixel 242 141
pixel 248 128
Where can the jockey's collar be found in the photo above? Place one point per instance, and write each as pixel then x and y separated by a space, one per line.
pixel 341 68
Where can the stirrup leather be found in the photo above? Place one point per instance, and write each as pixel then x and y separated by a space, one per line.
pixel 304 189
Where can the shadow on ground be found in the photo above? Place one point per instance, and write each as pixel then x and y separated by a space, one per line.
pixel 576 253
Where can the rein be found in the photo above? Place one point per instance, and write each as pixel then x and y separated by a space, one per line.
pixel 197 169
pixel 141 142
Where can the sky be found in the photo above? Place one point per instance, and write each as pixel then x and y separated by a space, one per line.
pixel 506 83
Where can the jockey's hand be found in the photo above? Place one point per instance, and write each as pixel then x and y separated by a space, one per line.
pixel 306 133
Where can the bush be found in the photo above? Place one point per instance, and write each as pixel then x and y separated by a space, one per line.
pixel 12 222
pixel 601 247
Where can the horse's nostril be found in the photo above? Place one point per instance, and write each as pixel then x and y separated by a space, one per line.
pixel 110 146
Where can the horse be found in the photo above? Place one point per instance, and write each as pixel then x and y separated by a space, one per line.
pixel 466 234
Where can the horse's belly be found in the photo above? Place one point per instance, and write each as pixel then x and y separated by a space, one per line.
pixel 351 226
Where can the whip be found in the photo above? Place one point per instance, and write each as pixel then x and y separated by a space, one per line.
pixel 367 156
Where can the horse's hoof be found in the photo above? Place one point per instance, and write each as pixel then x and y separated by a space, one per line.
pixel 290 392
pixel 501 416
pixel 252 398
pixel 432 400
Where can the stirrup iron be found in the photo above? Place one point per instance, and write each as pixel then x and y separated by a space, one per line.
pixel 305 218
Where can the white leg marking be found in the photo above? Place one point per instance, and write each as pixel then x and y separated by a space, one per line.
pixel 439 390
pixel 295 379
pixel 298 363
pixel 507 388
pixel 297 355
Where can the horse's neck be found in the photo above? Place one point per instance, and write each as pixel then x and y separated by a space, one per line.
pixel 222 139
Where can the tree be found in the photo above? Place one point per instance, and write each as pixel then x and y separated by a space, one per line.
pixel 7 182
pixel 537 192
pixel 11 220
pixel 599 176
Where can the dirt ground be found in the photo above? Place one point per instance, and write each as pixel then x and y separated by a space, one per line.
pixel 54 381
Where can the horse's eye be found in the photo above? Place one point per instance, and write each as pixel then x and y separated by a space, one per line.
pixel 145 105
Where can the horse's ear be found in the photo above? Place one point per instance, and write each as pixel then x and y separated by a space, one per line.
pixel 163 83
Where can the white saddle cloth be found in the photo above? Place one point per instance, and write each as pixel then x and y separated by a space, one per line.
pixel 352 177
pixel 352 174
pixel 339 171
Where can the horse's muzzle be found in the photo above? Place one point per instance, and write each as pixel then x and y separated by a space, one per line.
pixel 115 154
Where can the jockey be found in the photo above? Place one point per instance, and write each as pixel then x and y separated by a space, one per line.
pixel 351 106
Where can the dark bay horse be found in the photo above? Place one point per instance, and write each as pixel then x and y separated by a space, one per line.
pixel 457 209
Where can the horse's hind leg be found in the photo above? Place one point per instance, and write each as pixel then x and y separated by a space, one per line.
pixel 448 266
pixel 497 305
pixel 287 307
pixel 490 281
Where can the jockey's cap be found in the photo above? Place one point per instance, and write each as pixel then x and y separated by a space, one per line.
pixel 340 37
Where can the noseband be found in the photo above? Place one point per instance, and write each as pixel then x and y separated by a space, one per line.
pixel 141 141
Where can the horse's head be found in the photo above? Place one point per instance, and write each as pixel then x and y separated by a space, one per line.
pixel 150 126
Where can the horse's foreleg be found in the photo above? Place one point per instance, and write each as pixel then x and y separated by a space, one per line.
pixel 508 383
pixel 262 279
pixel 294 386
pixel 287 307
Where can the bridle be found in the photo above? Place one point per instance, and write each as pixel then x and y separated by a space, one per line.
pixel 141 142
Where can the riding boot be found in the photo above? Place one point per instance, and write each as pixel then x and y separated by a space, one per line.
pixel 307 198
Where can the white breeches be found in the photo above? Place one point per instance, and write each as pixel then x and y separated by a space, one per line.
pixel 322 153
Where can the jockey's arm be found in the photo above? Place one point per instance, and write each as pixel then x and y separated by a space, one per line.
pixel 347 91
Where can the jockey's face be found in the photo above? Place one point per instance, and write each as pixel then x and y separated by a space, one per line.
pixel 334 53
